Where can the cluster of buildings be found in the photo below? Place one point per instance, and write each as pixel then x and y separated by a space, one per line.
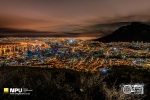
pixel 73 53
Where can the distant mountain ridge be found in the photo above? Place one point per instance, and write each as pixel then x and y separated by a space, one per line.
pixel 136 31
pixel 10 32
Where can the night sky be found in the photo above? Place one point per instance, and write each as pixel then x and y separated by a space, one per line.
pixel 72 17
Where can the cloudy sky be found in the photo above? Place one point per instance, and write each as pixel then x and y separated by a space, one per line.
pixel 72 16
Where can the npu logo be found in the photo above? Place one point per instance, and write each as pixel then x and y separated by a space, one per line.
pixel 16 90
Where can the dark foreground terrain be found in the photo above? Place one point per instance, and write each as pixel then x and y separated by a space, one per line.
pixel 65 84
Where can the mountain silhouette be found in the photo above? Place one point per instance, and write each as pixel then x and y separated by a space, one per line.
pixel 10 32
pixel 134 32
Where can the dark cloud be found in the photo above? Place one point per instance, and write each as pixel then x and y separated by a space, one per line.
pixel 72 17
